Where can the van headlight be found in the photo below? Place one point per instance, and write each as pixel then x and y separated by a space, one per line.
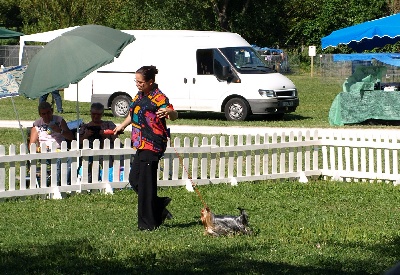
pixel 267 93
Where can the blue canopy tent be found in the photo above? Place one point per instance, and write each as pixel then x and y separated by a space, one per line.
pixel 367 35
pixel 362 102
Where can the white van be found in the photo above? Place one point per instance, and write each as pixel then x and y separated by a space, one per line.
pixel 198 71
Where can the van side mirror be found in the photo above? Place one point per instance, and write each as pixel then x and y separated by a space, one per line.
pixel 226 72
pixel 228 75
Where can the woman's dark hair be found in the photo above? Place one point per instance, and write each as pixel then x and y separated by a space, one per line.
pixel 44 105
pixel 97 106
pixel 148 72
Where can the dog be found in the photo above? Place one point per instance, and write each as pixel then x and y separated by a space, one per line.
pixel 223 225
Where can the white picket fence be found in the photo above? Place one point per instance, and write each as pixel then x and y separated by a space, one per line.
pixel 228 159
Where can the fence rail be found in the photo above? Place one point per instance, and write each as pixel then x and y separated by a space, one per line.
pixel 208 160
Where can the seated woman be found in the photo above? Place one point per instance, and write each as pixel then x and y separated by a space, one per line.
pixel 50 128
pixel 95 130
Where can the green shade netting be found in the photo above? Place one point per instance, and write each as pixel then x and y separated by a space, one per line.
pixel 359 101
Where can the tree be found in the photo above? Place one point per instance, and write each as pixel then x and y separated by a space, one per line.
pixel 284 23
pixel 258 22
pixel 310 20
pixel 10 14
pixel 45 15
pixel 254 20
pixel 167 14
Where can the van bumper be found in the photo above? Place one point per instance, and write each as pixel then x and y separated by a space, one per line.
pixel 273 106
pixel 103 99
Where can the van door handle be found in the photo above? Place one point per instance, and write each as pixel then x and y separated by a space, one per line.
pixel 185 80
pixel 194 80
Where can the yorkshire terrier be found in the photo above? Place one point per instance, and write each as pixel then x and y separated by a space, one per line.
pixel 221 225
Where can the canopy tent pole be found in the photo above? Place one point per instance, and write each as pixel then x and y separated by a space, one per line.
pixel 24 140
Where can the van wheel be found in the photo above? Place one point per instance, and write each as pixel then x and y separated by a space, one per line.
pixel 120 106
pixel 237 109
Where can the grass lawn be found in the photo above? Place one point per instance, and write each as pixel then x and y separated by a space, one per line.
pixel 314 228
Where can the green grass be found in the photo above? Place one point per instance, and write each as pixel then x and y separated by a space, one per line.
pixel 313 228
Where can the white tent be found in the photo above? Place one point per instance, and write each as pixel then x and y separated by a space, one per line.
pixel 40 37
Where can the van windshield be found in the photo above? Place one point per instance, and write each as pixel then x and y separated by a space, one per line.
pixel 246 60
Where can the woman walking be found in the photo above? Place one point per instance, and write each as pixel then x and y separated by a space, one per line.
pixel 148 112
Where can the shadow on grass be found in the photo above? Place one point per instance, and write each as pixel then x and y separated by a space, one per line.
pixel 80 257
pixel 182 225
pixel 379 122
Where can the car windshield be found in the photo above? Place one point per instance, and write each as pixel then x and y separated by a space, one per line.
pixel 246 60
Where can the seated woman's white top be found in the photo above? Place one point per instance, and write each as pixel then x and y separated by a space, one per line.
pixel 45 134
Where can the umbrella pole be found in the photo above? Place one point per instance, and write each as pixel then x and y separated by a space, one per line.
pixel 77 132
pixel 20 126
pixel 77 113
pixel 77 102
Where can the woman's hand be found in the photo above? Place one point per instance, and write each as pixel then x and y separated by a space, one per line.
pixel 55 127
pixel 162 113
pixel 118 130
pixel 167 113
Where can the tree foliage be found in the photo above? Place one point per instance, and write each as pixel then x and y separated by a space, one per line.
pixel 283 23
pixel 10 14
pixel 310 20
pixel 167 14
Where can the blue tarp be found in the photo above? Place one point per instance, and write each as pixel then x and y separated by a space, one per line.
pixel 387 58
pixel 367 35
pixel 10 79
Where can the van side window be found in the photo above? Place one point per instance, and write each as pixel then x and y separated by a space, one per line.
pixel 204 61
pixel 210 61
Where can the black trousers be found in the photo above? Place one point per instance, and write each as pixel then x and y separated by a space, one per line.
pixel 143 179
